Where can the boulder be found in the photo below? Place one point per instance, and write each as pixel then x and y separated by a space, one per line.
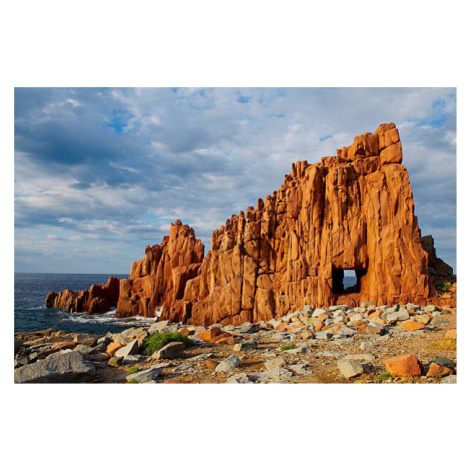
pixel 412 325
pixel 444 361
pixel 128 350
pixel 158 327
pixel 403 314
pixel 116 361
pixel 84 350
pixel 170 351
pixel 276 363
pixel 146 375
pixel 406 365
pixel 325 335
pixel 424 319
pixel 437 370
pixel 245 345
pixel 130 359
pixel 86 339
pixel 350 368
pixel 112 348
pixel 224 338
pixel 57 368
pixel 211 333
pixel 98 357
pixel 231 363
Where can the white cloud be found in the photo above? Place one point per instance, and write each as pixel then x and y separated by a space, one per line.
pixel 200 155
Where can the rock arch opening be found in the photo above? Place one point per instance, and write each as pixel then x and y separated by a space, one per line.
pixel 347 281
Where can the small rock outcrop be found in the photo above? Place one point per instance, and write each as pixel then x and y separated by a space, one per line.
pixel 98 299
pixel 438 269
pixel 353 211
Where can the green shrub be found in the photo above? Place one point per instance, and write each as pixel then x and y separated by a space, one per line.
pixel 445 286
pixel 133 370
pixel 384 376
pixel 132 381
pixel 286 347
pixel 157 341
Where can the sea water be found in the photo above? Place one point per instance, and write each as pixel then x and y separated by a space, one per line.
pixel 31 313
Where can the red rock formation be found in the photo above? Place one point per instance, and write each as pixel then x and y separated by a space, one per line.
pixel 353 211
pixel 98 299
pixel 438 269
pixel 159 279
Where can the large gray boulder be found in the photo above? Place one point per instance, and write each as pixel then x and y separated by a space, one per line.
pixel 170 351
pixel 403 314
pixel 128 350
pixel 57 368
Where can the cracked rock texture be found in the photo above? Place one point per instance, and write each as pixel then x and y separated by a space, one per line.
pixel 351 211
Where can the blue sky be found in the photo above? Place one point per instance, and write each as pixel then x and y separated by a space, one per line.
pixel 100 173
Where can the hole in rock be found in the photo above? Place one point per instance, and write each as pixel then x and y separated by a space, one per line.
pixel 347 281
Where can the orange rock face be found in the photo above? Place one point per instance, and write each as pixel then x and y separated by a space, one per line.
pixel 404 366
pixel 353 211
pixel 98 299
pixel 436 370
pixel 159 279
pixel 411 325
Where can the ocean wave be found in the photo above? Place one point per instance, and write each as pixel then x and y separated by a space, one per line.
pixel 107 317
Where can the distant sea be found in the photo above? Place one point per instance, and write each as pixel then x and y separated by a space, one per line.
pixel 31 313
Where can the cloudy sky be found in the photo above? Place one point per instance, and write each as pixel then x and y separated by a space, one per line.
pixel 100 173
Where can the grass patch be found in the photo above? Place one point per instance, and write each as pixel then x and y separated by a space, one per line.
pixel 445 344
pixel 286 347
pixel 445 286
pixel 132 381
pixel 133 370
pixel 158 340
pixel 385 376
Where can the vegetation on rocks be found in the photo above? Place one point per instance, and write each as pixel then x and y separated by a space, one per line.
pixel 383 377
pixel 157 341
pixel 445 344
pixel 287 347
pixel 133 370
pixel 445 286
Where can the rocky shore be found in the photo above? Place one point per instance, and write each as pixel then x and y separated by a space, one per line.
pixel 338 344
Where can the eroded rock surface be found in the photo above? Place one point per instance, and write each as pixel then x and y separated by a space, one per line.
pixel 352 211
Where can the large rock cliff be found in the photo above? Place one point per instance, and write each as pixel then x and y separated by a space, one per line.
pixel 354 211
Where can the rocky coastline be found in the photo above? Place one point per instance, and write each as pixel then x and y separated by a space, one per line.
pixel 353 211
pixel 338 344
